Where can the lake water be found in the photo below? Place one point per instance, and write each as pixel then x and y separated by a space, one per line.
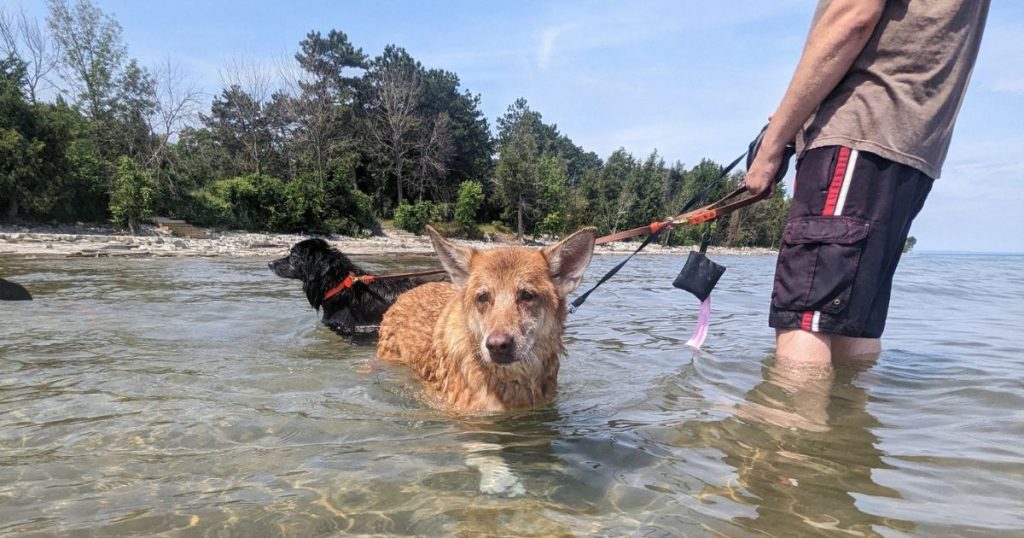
pixel 201 397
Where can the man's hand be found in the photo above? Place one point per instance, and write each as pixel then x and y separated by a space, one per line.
pixel 832 46
pixel 761 175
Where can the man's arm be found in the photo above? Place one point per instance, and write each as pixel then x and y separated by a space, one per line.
pixel 832 46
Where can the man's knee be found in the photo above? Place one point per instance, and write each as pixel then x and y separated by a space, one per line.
pixel 797 345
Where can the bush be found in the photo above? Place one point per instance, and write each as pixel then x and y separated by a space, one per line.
pixel 132 195
pixel 264 203
pixel 353 213
pixel 415 217
pixel 471 197
pixel 552 224
pixel 253 202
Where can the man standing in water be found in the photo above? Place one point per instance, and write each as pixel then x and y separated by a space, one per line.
pixel 871 105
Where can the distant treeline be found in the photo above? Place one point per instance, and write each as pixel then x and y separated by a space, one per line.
pixel 329 143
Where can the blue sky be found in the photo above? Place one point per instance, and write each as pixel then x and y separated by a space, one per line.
pixel 691 79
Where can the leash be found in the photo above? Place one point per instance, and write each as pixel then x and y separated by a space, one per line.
pixel 707 213
pixel 352 279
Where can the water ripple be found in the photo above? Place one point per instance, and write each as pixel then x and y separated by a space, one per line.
pixel 201 397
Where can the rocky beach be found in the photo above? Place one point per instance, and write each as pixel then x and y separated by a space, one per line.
pixel 97 241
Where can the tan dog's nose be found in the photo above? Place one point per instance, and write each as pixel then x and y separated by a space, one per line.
pixel 501 347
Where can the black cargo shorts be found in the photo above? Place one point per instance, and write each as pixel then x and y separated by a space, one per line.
pixel 849 219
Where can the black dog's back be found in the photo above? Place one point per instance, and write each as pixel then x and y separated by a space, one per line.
pixel 9 291
pixel 321 268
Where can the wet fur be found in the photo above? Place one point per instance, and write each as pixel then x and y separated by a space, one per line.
pixel 442 330
pixel 320 268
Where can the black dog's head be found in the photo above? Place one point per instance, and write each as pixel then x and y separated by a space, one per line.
pixel 321 268
pixel 308 259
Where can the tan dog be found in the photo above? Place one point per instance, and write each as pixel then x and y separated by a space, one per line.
pixel 490 341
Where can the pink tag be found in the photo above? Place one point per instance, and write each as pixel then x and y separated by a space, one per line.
pixel 701 331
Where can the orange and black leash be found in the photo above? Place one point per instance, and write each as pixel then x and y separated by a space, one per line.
pixel 721 207
pixel 353 279
pixel 686 216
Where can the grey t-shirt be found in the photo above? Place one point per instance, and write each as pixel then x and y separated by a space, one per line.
pixel 901 97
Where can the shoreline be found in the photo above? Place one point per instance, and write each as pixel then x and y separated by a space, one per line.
pixel 96 241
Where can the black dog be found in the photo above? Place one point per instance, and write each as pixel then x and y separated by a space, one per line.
pixel 321 269
pixel 9 291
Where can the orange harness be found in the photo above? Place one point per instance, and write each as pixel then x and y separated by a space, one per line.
pixel 352 279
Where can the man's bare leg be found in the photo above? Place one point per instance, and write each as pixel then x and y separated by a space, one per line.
pixel 848 347
pixel 798 346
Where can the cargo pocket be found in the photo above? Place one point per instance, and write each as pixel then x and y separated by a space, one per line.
pixel 818 263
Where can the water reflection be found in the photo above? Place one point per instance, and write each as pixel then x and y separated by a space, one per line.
pixel 803 449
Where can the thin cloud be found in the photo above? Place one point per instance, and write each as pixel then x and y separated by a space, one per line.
pixel 547 43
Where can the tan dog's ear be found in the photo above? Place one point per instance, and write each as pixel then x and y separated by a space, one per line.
pixel 568 260
pixel 454 259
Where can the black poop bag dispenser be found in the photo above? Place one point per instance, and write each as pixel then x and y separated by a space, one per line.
pixel 700 274
pixel 699 277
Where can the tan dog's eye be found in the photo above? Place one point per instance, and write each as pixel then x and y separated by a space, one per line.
pixel 526 296
pixel 483 298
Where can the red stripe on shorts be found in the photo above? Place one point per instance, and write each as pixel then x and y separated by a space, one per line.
pixel 831 200
pixel 837 181
pixel 805 321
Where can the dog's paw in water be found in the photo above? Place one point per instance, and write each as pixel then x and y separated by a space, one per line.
pixel 496 477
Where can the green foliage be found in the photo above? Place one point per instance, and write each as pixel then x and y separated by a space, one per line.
pixel 351 139
pixel 471 138
pixel 49 165
pixel 908 246
pixel 92 53
pixel 20 148
pixel 471 196
pixel 552 195
pixel 132 196
pixel 252 202
pixel 415 217
pixel 516 174
pixel 758 225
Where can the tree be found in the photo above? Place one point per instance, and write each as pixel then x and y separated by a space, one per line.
pixel 552 195
pixel 471 196
pixel 324 102
pixel 176 106
pixel 392 96
pixel 93 53
pixel 608 190
pixel 47 161
pixel 549 140
pixel 433 152
pixel 239 125
pixel 412 146
pixel 20 149
pixel 25 39
pixel 515 176
pixel 133 109
pixel 472 149
pixel 131 197
pixel 758 225
pixel 649 185
pixel 908 246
